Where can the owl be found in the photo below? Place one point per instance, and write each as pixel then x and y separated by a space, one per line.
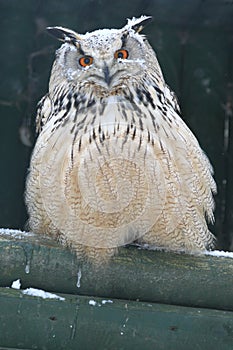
pixel 114 163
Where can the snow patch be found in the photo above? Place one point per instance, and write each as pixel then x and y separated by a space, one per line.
pixel 133 21
pixel 35 292
pixel 70 73
pixel 139 61
pixel 220 253
pixel 100 35
pixel 92 302
pixel 15 233
pixel 16 284
pixel 41 294
pixel 103 302
pixel 217 253
pixel 107 301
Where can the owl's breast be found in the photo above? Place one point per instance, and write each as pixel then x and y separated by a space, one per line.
pixel 107 175
pixel 109 184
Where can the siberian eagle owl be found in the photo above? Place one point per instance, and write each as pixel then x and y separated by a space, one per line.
pixel 114 163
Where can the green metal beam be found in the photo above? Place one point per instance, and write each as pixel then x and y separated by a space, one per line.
pixel 134 274
pixel 82 322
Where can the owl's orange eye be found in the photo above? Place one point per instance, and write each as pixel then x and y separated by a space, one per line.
pixel 85 61
pixel 123 54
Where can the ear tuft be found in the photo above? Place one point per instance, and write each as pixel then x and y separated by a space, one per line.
pixel 63 34
pixel 137 24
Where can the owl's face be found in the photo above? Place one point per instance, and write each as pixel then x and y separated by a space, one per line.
pixel 106 58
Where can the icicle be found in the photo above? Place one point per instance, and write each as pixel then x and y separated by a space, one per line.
pixel 79 278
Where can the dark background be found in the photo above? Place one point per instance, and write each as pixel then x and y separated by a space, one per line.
pixel 194 43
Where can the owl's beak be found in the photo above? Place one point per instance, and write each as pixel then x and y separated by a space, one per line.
pixel 107 76
pixel 107 79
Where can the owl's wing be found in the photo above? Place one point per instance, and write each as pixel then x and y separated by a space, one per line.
pixel 44 112
pixel 173 98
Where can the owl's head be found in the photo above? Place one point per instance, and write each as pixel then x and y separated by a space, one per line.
pixel 105 58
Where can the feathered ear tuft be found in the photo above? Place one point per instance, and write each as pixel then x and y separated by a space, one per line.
pixel 137 24
pixel 63 34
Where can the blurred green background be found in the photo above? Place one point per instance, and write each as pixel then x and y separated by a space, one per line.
pixel 194 43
